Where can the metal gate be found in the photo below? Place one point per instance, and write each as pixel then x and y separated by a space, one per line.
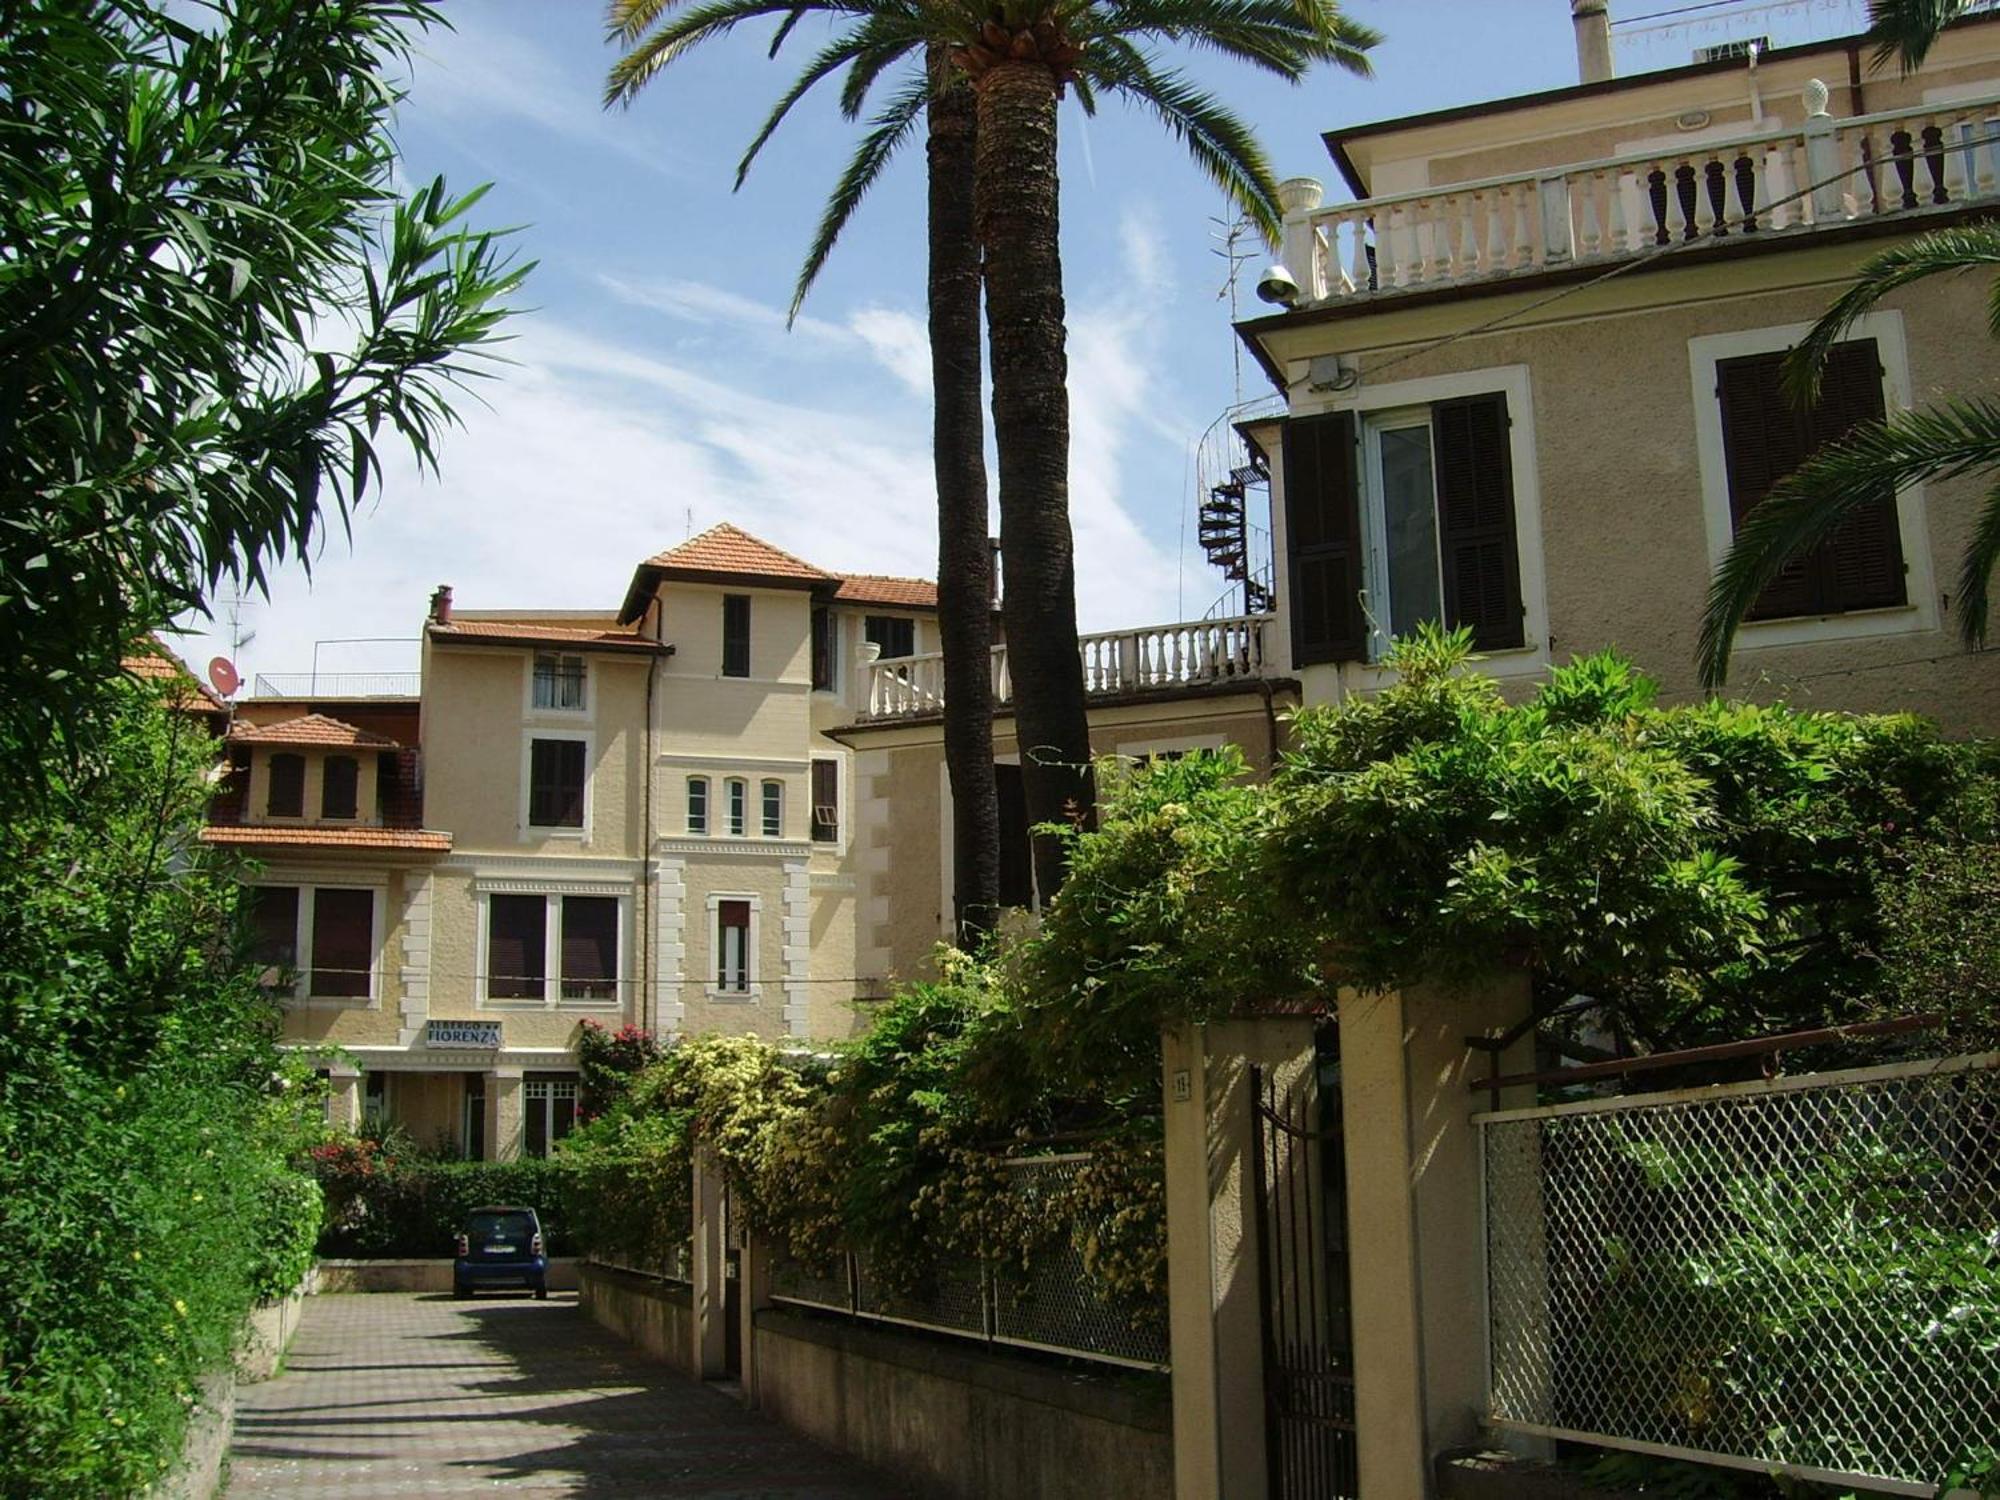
pixel 1300 1186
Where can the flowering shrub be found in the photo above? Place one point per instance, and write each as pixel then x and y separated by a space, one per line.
pixel 388 1206
pixel 607 1062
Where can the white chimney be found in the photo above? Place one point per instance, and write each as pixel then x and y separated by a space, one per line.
pixel 1592 20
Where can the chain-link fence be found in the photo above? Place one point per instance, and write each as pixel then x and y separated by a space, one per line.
pixel 1052 1304
pixel 1801 1275
pixel 670 1260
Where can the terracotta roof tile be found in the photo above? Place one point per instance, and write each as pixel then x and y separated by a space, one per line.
pixel 161 664
pixel 532 633
pixel 878 588
pixel 730 551
pixel 416 840
pixel 309 729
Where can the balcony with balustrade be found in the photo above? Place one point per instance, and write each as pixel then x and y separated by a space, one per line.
pixel 1902 166
pixel 1197 656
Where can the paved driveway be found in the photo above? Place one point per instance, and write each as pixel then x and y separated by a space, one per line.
pixel 420 1395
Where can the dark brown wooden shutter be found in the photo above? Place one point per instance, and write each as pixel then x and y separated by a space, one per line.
pixel 589 948
pixel 1765 437
pixel 343 941
pixel 286 797
pixel 1477 553
pixel 1323 539
pixel 555 784
pixel 339 787
pixel 826 801
pixel 735 635
pixel 517 938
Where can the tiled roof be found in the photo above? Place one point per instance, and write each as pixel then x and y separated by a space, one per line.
pixel 416 840
pixel 162 664
pixel 535 633
pixel 730 551
pixel 877 588
pixel 309 729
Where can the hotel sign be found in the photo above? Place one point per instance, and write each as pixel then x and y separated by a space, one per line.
pixel 462 1034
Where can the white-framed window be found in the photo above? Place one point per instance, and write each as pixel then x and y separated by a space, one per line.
pixel 318 942
pixel 1411 501
pixel 697 795
pixel 560 683
pixel 733 923
pixel 374 1103
pixel 548 1112
pixel 774 809
pixel 555 783
pixel 825 800
pixel 738 792
pixel 1873 576
pixel 544 949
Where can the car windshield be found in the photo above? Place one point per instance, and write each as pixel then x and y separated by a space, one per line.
pixel 486 1229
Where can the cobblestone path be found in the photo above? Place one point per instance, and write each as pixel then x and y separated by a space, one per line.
pixel 388 1395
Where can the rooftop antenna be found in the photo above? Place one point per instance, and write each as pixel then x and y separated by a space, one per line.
pixel 688 534
pixel 1228 236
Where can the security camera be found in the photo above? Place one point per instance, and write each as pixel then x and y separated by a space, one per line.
pixel 1277 286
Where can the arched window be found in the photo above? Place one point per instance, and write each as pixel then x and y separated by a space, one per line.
pixel 739 807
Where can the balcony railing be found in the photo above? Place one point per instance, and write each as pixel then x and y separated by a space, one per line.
pixel 1823 173
pixel 337 685
pixel 1155 657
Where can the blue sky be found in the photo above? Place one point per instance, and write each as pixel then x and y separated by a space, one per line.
pixel 655 389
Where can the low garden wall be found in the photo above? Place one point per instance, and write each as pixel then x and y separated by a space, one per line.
pixel 429 1273
pixel 653 1315
pixel 965 1421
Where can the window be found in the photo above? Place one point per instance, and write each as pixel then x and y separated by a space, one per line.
pixel 374 1103
pixel 274 932
pixel 739 807
pixel 343 941
pixel 774 809
pixel 581 934
pixel 896 635
pixel 472 1124
pixel 517 935
pixel 735 635
pixel 697 804
pixel 558 682
pixel 1405 517
pixel 732 946
pixel 340 787
pixel 1765 437
pixel 825 633
pixel 826 801
pixel 1017 865
pixel 555 784
pixel 287 795
pixel 589 948
pixel 549 1112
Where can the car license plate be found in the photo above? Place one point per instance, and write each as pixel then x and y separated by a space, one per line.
pixel 499 1249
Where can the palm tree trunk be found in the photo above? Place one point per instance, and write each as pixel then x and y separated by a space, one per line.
pixel 1016 191
pixel 958 444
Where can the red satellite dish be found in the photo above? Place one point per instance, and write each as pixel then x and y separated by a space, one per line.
pixel 222 676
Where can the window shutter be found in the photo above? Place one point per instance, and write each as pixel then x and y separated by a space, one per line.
pixel 589 948
pixel 826 801
pixel 343 941
pixel 339 793
pixel 1479 558
pixel 287 794
pixel 1323 537
pixel 516 946
pixel 1765 437
pixel 1017 869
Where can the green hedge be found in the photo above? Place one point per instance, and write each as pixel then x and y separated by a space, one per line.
pixel 396 1208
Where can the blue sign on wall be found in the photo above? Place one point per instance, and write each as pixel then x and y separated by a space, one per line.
pixel 462 1034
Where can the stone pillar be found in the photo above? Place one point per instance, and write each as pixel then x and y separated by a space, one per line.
pixel 503 1114
pixel 710 1272
pixel 754 1289
pixel 1215 1320
pixel 1414 1190
pixel 343 1098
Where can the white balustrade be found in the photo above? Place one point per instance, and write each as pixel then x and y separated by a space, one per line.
pixel 1821 172
pixel 1154 658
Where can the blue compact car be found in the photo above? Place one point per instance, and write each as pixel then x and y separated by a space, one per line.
pixel 500 1246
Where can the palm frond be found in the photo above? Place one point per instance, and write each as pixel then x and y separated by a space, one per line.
pixel 1975 571
pixel 628 20
pixel 1285 37
pixel 638 67
pixel 886 134
pixel 1220 142
pixel 836 54
pixel 784 30
pixel 1805 507
pixel 1942 250
pixel 870 65
pixel 1902 30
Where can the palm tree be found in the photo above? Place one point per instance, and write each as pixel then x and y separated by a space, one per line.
pixel 1020 55
pixel 958 446
pixel 1956 437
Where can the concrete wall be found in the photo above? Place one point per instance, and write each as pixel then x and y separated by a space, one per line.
pixel 961 1421
pixel 432 1274
pixel 653 1315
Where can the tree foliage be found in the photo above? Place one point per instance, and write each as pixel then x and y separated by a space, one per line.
pixel 214 307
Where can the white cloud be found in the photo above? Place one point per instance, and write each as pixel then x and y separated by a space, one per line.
pixel 900 342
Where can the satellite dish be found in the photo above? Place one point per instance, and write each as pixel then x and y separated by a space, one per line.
pixel 222 676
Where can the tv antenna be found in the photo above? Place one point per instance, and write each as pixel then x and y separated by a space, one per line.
pixel 1228 235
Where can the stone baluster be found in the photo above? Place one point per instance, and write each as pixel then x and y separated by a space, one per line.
pixel 1468 234
pixel 1622 238
pixel 1389 268
pixel 1558 243
pixel 1522 252
pixel 1757 212
pixel 1339 282
pixel 1359 271
pixel 1588 229
pixel 1951 136
pixel 1984 154
pixel 1677 218
pixel 1704 199
pixel 1825 159
pixel 1497 256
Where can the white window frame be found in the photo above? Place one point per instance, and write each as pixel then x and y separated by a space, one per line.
pixel 552 995
pixel 533 832
pixel 1919 611
pixel 753 986
pixel 844 810
pixel 736 806
pixel 771 809
pixel 542 1093
pixel 300 993
pixel 707 806
pixel 1368 402
pixel 530 710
